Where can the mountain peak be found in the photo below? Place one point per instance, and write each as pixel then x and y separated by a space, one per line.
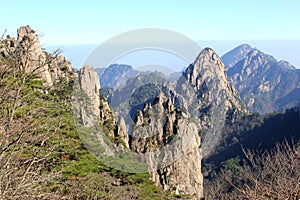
pixel 209 52
pixel 244 46
pixel 207 75
pixel 26 31
pixel 113 75
pixel 33 59
pixel 234 56
pixel 207 58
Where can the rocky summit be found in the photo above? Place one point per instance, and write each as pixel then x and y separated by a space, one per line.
pixel 51 68
pixel 207 76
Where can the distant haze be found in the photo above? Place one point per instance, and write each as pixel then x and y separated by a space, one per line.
pixel 287 50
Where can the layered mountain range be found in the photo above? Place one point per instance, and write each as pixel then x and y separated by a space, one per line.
pixel 203 94
pixel 137 122
pixel 172 125
pixel 264 84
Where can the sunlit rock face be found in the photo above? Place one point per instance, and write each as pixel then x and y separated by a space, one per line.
pixel 171 145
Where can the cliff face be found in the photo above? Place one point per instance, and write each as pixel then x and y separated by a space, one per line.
pixel 162 136
pixel 94 110
pixel 168 130
pixel 34 60
pixel 171 146
pixel 90 85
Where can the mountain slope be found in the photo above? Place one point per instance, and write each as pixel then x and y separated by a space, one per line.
pixel 172 120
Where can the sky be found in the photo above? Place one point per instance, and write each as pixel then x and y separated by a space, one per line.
pixel 75 22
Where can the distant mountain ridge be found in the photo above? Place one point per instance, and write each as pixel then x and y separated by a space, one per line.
pixel 113 74
pixel 235 55
pixel 261 80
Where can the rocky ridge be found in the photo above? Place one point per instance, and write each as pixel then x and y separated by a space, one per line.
pixel 162 136
pixel 94 110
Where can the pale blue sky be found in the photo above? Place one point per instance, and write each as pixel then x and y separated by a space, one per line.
pixel 68 22
pixel 76 22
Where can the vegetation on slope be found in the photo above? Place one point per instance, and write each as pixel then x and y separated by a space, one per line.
pixel 41 154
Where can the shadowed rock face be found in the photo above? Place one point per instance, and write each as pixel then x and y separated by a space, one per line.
pixel 115 74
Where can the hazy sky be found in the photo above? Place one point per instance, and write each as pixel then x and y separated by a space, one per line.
pixel 92 22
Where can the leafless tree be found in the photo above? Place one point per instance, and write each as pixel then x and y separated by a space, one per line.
pixel 24 129
pixel 272 174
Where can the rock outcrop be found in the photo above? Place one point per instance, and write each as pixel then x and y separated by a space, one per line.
pixel 94 110
pixel 90 84
pixel 121 134
pixel 171 146
pixel 107 118
pixel 33 59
